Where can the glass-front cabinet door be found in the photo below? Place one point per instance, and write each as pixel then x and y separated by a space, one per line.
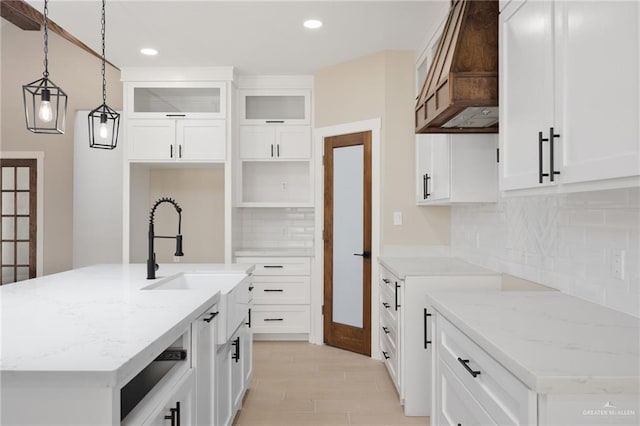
pixel 177 100
pixel 281 106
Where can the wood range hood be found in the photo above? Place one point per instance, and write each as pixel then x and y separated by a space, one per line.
pixel 460 92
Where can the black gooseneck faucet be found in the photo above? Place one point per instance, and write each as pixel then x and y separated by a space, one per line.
pixel 152 266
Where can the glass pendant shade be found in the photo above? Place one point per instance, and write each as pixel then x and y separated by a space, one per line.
pixel 104 124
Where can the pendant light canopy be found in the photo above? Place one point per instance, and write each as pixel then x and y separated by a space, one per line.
pixel 104 121
pixel 45 104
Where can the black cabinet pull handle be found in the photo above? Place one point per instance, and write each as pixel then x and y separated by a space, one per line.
pixel 273 290
pixel 175 115
pixel 386 280
pixel 465 364
pixel 541 173
pixel 179 151
pixel 271 150
pixel 386 305
pixel 273 319
pixel 171 150
pixel 397 287
pixel 426 338
pixel 273 266
pixel 386 355
pixel 175 415
pixel 274 121
pixel 386 330
pixel 426 186
pixel 212 315
pixel 248 323
pixel 251 288
pixel 552 172
pixel 236 343
pixel 278 150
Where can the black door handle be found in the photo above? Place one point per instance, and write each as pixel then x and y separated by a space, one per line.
pixel 236 343
pixel 364 254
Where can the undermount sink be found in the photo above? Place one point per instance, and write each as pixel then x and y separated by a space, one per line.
pixel 194 281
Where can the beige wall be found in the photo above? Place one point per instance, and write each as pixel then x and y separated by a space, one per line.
pixel 382 86
pixel 78 73
pixel 200 194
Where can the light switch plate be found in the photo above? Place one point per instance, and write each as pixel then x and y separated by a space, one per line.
pixel 397 218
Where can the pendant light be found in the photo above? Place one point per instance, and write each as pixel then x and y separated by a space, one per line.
pixel 45 104
pixel 104 121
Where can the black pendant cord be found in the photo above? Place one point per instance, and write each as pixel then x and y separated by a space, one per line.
pixel 104 78
pixel 46 39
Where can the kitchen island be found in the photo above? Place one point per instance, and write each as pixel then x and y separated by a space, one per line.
pixel 542 358
pixel 72 342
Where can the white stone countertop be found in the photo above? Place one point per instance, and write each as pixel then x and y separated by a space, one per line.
pixel 403 267
pixel 96 324
pixel 274 252
pixel 553 342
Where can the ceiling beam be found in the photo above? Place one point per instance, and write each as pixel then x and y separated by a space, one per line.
pixel 24 16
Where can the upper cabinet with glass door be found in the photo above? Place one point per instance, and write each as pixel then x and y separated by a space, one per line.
pixel 177 100
pixel 281 106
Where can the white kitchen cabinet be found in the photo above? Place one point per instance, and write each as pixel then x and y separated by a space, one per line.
pixel 276 106
pixel 456 168
pixel 237 376
pixel 176 140
pixel 281 296
pixel 223 405
pixel 173 99
pixel 275 142
pixel 571 69
pixel 406 340
pixel 204 341
pixel 179 408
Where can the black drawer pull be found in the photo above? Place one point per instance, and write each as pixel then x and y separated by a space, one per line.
pixel 465 364
pixel 386 355
pixel 248 323
pixel 212 315
pixel 386 330
pixel 251 288
pixel 426 338
pixel 273 266
pixel 552 171
pixel 274 121
pixel 175 115
pixel 386 305
pixel 273 319
pixel 386 280
pixel 273 290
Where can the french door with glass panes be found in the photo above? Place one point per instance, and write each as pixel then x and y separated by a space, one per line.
pixel 18 226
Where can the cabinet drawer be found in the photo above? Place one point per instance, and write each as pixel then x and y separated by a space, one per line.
pixel 457 406
pixel 389 334
pixel 280 319
pixel 281 290
pixel 387 306
pixel 390 358
pixel 507 400
pixel 266 266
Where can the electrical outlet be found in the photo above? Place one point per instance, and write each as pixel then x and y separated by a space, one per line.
pixel 397 218
pixel 617 264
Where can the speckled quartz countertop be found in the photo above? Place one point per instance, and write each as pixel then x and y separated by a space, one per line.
pixel 96 323
pixel 403 267
pixel 553 342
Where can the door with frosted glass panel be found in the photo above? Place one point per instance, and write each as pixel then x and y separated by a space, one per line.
pixel 347 242
pixel 18 225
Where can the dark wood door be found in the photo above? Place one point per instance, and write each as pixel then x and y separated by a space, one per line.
pixel 347 242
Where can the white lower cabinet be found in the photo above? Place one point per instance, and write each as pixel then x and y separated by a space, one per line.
pixel 204 357
pixel 223 404
pixel 281 295
pixel 406 342
pixel 179 410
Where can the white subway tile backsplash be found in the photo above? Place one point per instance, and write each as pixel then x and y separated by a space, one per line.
pixel 277 228
pixel 562 241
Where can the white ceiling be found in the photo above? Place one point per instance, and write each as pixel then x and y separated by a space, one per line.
pixel 257 37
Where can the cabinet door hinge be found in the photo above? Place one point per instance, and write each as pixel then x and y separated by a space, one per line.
pixel 497 155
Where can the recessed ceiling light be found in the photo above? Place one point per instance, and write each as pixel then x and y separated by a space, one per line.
pixel 312 24
pixel 148 51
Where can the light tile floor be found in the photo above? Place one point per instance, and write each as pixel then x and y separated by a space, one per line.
pixel 296 383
